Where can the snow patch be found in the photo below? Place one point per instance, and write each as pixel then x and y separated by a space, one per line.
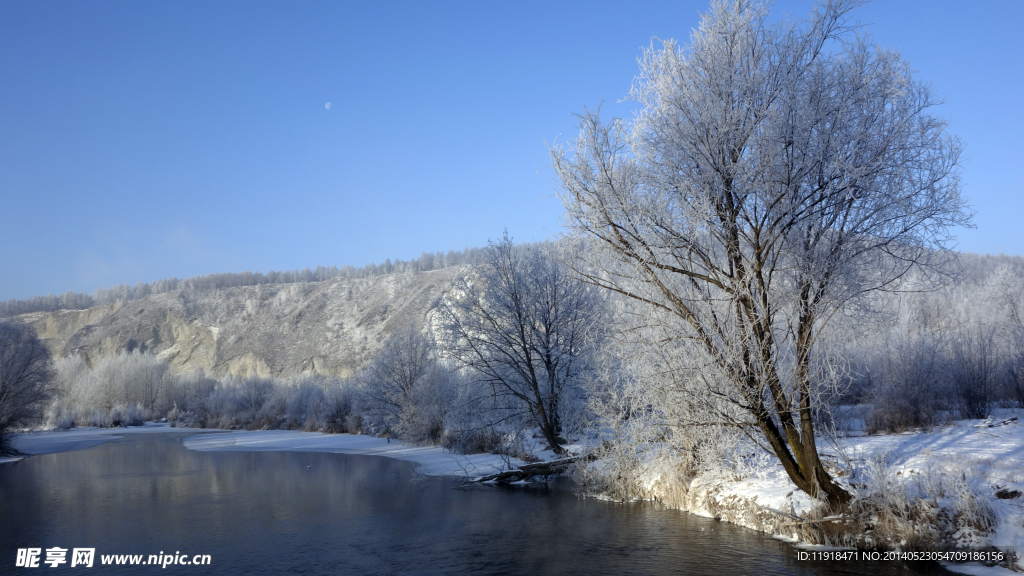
pixel 431 460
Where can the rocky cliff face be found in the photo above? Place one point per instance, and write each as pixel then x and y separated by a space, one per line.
pixel 332 328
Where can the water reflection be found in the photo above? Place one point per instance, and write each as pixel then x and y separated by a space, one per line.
pixel 275 512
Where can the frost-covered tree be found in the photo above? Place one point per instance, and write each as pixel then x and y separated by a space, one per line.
pixel 773 173
pixel 396 378
pixel 524 327
pixel 26 377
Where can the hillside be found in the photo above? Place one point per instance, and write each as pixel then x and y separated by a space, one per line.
pixel 332 327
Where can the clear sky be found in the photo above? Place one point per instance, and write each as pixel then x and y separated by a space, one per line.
pixel 141 140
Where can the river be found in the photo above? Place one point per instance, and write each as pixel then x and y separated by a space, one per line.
pixel 315 513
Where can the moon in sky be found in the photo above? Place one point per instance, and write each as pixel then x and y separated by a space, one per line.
pixel 328 105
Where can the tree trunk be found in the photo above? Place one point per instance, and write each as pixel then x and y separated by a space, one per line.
pixel 804 467
pixel 553 438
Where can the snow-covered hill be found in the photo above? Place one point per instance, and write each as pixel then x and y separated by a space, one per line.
pixel 331 327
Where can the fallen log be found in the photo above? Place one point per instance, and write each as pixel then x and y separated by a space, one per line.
pixel 819 521
pixel 530 470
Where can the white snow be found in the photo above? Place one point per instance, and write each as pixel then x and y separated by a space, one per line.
pixel 997 454
pixel 990 459
pixel 51 441
pixel 432 460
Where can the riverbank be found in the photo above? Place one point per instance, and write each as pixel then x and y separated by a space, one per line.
pixel 959 485
pixel 430 460
pixel 53 441
pixel 963 482
pixel 314 513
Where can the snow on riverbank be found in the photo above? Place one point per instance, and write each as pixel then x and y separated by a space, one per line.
pixel 964 482
pixel 52 441
pixel 968 462
pixel 987 459
pixel 432 460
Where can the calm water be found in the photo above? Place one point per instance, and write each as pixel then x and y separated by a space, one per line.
pixel 294 513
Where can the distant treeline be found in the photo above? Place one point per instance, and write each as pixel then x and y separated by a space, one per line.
pixel 122 292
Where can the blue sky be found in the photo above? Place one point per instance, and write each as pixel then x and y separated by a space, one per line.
pixel 141 140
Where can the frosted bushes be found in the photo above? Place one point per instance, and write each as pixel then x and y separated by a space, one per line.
pixel 117 415
pixel 128 387
pixel 637 466
pixel 336 415
pixel 973 516
pixel 951 353
pixel 850 418
pixel 475 440
pixel 973 367
pixel 407 392
pixel 893 506
pixel 58 416
pixel 661 417
pixel 958 488
pixel 310 403
pixel 755 463
pixel 125 415
pixel 334 411
pixel 307 403
pixel 901 406
pixel 423 414
pixel 303 403
pixel 934 508
pixel 482 434
pixel 426 418
pixel 238 403
pixel 639 456
pixel 135 415
pixel 908 389
pixel 131 378
pixel 223 408
pixel 477 421
pixel 396 383
pixel 925 381
pixel 619 473
pixel 189 395
pixel 250 394
pixel 72 404
pixel 93 397
pixel 101 418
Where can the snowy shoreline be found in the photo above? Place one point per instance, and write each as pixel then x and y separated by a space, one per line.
pixel 985 460
pixel 430 460
pixel 990 459
pixel 54 441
